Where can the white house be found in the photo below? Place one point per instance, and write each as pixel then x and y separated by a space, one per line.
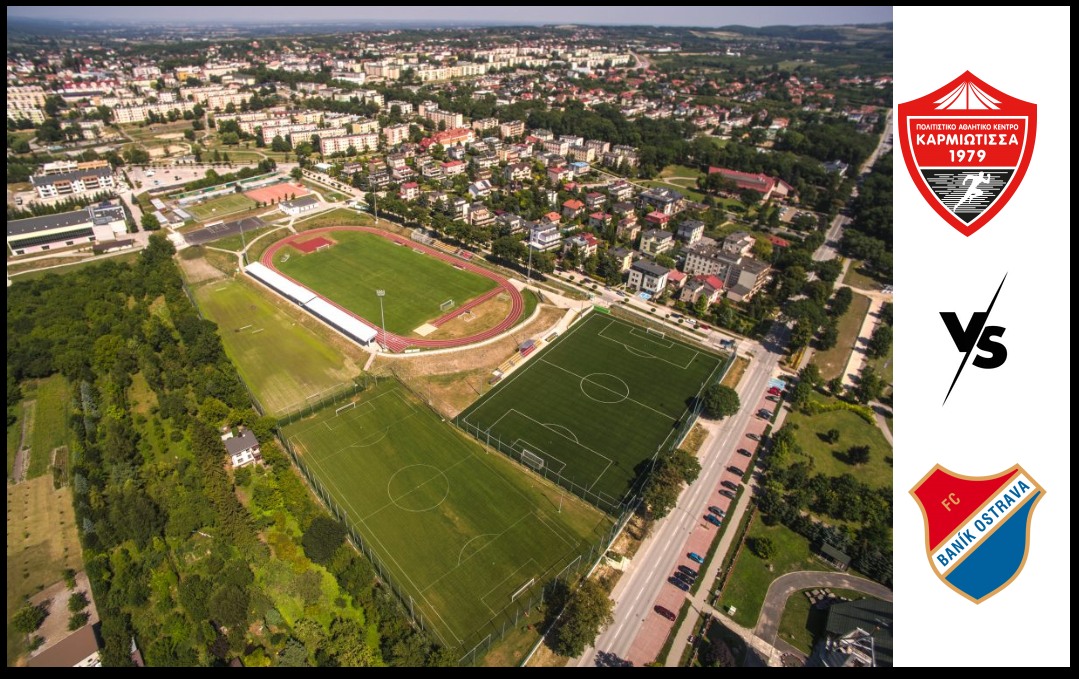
pixel 243 449
pixel 299 205
pixel 648 277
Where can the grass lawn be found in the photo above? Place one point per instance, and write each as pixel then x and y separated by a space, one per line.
pixel 338 217
pixel 833 361
pixel 680 171
pixel 853 431
pixel 216 208
pixel 857 278
pixel 236 243
pixel 692 194
pixel 50 423
pixel 802 624
pixel 41 543
pixel 595 404
pixel 748 582
pixel 125 258
pixel 14 436
pixel 458 530
pixel 350 272
pixel 327 193
pixel 281 359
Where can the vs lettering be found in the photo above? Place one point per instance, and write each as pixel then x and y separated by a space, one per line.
pixel 993 353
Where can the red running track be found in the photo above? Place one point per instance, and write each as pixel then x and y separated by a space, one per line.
pixel 396 342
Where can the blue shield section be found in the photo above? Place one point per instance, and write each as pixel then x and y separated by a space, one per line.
pixel 997 558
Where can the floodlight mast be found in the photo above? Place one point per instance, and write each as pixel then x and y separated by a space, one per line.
pixel 382 293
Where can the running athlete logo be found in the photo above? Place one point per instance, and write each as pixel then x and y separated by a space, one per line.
pixel 967 147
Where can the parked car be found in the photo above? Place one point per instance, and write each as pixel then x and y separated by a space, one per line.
pixel 684 577
pixel 727 493
pixel 711 518
pixel 717 511
pixel 735 470
pixel 678 583
pixel 764 413
pixel 688 571
pixel 694 556
pixel 773 399
pixel 665 613
pixel 755 437
pixel 775 391
pixel 730 484
pixel 702 326
pixel 743 451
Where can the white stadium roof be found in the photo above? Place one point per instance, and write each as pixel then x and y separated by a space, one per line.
pixel 347 323
pixel 295 292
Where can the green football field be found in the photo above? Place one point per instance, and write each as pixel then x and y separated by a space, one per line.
pixel 217 208
pixel 360 263
pixel 282 359
pixel 594 405
pixel 458 530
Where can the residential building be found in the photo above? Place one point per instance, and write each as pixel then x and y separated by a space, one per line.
pixel 657 219
pixel 708 286
pixel 102 222
pixel 667 201
pixel 242 447
pixel 599 220
pixel 410 191
pixel 586 243
pixel 517 172
pixel 479 215
pixel 545 236
pixel 395 134
pixel 656 242
pixel 690 231
pixel 480 189
pixel 620 190
pixel 628 229
pixel 358 142
pixel 595 200
pixel 452 168
pixel 74 182
pixel 676 279
pixel 510 223
pixel 78 649
pixel 298 206
pixel 484 124
pixel 430 111
pixel 514 128
pixel 742 275
pixel 624 257
pixel 738 243
pixel 647 277
pixel 572 208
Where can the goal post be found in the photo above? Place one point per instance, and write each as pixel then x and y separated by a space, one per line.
pixel 532 460
pixel 657 333
pixel 447 305
pixel 347 406
pixel 522 589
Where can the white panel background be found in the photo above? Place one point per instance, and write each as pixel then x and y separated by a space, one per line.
pixel 994 418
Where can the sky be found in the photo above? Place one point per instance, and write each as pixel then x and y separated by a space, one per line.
pixel 677 15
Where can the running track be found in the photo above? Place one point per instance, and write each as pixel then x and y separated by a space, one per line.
pixel 396 342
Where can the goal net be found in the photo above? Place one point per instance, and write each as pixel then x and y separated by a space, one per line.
pixel 521 590
pixel 532 460
pixel 657 333
pixel 447 305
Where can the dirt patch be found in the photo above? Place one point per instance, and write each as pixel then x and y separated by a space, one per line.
pixel 545 657
pixel 199 270
pixel 452 381
pixel 694 439
pixel 734 375
pixel 631 537
pixel 477 319
pixel 22 456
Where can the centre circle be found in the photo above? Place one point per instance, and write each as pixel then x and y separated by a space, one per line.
pixel 418 487
pixel 604 388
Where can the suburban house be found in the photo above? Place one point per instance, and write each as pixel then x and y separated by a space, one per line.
pixel 655 242
pixel 709 287
pixel 479 215
pixel 585 242
pixel 739 243
pixel 657 219
pixel 667 201
pixel 690 231
pixel 595 200
pixel 242 447
pixel 94 224
pixel 599 220
pixel 572 208
pixel 78 649
pixel 557 175
pixel 620 190
pixel 647 277
pixel 298 205
pixel 628 229
pixel 676 279
pixel 410 191
pixel 545 237
pixel 452 168
pixel 624 257
pixel 480 189
pixel 517 172
pixel 510 223
pixel 742 275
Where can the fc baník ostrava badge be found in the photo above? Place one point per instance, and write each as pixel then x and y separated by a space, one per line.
pixel 977 528
pixel 967 147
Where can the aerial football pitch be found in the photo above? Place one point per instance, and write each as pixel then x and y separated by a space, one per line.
pixel 595 405
pixel 350 272
pixel 468 538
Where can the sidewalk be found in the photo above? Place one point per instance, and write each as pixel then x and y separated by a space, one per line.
pixel 858 357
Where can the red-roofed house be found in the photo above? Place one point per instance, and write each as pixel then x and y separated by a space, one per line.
pixel 453 167
pixel 594 200
pixel 599 220
pixel 572 208
pixel 586 242
pixel 708 286
pixel 676 279
pixel 410 191
pixel 551 218
pixel 761 183
pixel 657 219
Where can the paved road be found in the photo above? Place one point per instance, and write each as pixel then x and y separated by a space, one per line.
pixel 784 586
pixel 636 593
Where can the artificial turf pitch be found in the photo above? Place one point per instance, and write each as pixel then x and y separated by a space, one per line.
pixel 595 404
pixel 360 263
pixel 457 529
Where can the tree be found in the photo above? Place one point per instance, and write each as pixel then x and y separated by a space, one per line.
pixel 870 386
pixel 322 538
pixel 832 436
pixel 228 605
pixel 835 386
pixel 720 401
pixel 28 618
pixel 77 601
pixel 149 222
pixel 829 336
pixel 811 374
pixel 829 270
pixel 279 144
pixel 858 455
pixel 700 307
pixel 763 547
pixel 77 621
pixel 800 393
pixel 880 343
pixel 841 302
pixel 587 612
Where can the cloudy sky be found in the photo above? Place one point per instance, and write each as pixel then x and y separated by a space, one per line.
pixel 658 15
